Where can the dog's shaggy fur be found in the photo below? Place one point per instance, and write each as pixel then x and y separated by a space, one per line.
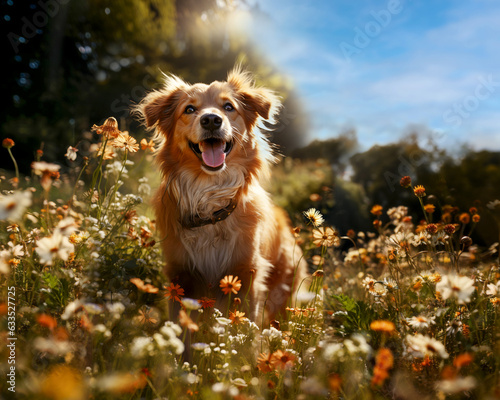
pixel 214 158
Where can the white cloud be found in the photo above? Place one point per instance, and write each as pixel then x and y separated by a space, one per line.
pixel 409 74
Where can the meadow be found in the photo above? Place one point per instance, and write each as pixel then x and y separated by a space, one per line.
pixel 407 310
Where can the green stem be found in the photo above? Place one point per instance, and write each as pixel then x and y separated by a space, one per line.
pixel 15 163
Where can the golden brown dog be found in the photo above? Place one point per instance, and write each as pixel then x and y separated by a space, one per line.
pixel 213 215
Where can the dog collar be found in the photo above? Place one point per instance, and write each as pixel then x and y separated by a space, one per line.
pixel 195 221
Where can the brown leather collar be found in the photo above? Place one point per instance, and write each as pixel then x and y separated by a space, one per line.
pixel 195 221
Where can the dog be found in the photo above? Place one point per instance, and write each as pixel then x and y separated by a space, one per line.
pixel 212 213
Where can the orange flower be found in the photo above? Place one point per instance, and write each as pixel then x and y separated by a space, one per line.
pixel 462 360
pixel 429 208
pixel 419 191
pixel 145 145
pixel 186 322
pixel 379 376
pixel 230 284
pixel 237 317
pixel 384 361
pixel 264 363
pixel 148 288
pixel 334 382
pixel 109 129
pixel 47 321
pixel 384 358
pixel 417 285
pixel 206 302
pixel 283 359
pixel 174 292
pixel 376 210
pixel 476 218
pixel 464 218
pixel 8 143
pixel 383 326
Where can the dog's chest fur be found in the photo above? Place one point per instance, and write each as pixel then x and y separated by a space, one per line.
pixel 211 247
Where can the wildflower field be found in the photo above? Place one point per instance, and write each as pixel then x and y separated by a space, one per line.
pixel 408 310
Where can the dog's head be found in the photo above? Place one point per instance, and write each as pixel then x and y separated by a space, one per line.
pixel 211 127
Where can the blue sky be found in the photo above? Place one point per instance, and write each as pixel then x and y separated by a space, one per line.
pixel 388 67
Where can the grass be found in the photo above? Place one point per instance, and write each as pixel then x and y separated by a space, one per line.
pixel 409 310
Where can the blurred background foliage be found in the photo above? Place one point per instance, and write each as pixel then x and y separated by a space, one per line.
pixel 72 63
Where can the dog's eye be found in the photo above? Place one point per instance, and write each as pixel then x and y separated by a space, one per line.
pixel 189 109
pixel 228 107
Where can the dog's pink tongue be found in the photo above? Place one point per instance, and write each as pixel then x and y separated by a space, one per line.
pixel 213 153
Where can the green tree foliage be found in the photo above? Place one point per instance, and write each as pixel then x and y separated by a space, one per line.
pixel 73 64
pixel 380 168
pixel 336 150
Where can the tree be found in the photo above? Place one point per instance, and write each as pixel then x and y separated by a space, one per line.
pixel 72 64
pixel 336 150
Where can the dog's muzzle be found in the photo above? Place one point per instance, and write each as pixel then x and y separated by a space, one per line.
pixel 212 152
pixel 213 149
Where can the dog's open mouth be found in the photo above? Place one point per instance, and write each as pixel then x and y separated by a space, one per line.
pixel 212 152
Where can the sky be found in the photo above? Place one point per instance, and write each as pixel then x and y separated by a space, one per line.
pixel 386 68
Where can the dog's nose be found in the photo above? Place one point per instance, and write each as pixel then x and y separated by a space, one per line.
pixel 211 121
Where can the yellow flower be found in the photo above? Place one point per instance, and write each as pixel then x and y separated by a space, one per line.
pixel 419 191
pixel 325 237
pixel 314 216
pixel 237 317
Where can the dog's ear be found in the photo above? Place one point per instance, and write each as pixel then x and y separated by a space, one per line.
pixel 256 101
pixel 159 106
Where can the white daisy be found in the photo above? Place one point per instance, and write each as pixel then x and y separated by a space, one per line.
pixel 420 322
pixel 56 245
pixel 421 346
pixel 13 206
pixel 314 216
pixel 459 287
